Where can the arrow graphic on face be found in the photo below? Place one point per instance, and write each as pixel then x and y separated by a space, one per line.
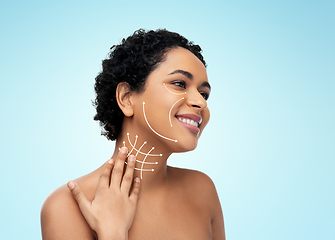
pixel 145 117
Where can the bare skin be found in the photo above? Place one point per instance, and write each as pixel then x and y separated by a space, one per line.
pixel 168 203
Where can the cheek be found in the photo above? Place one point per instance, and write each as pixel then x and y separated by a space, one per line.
pixel 205 118
pixel 160 107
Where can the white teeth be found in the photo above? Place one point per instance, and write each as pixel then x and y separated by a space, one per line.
pixel 189 121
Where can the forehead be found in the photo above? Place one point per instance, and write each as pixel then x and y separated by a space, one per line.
pixel 180 59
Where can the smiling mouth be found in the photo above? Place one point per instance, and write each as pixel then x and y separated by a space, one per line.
pixel 188 121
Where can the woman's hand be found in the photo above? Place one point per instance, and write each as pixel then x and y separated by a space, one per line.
pixel 112 211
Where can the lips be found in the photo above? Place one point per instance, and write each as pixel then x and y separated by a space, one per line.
pixel 190 121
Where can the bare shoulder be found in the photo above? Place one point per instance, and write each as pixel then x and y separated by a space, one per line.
pixel 201 189
pixel 198 182
pixel 61 217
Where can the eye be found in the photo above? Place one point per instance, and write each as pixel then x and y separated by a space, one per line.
pixel 181 84
pixel 205 95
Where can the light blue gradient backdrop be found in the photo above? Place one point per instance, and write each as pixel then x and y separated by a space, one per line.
pixel 269 146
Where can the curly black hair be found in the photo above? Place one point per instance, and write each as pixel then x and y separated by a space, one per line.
pixel 132 61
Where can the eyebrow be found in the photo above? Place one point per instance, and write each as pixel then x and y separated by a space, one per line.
pixel 185 73
pixel 190 76
pixel 206 84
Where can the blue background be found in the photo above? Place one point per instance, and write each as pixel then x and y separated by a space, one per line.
pixel 269 146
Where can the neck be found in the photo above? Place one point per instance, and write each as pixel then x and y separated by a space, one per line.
pixel 151 160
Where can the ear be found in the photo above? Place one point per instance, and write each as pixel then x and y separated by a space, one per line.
pixel 123 98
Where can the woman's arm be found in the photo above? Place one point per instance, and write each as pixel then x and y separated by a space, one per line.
pixel 209 197
pixel 218 231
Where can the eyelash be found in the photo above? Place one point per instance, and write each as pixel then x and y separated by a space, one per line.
pixel 182 84
pixel 205 95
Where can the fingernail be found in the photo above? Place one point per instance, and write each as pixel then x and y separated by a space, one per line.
pixel 124 150
pixel 110 161
pixel 71 185
pixel 131 158
pixel 137 180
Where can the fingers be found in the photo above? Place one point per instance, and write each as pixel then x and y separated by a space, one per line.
pixel 118 167
pixel 78 195
pixel 105 176
pixel 129 174
pixel 136 190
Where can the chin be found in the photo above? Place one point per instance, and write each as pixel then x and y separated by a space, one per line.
pixel 186 146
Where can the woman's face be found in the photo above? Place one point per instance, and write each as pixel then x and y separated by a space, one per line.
pixel 172 109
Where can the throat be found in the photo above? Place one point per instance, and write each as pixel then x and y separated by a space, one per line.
pixel 150 162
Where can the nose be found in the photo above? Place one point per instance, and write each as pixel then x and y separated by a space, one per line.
pixel 196 100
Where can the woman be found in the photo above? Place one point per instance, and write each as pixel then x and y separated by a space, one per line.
pixel 151 99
